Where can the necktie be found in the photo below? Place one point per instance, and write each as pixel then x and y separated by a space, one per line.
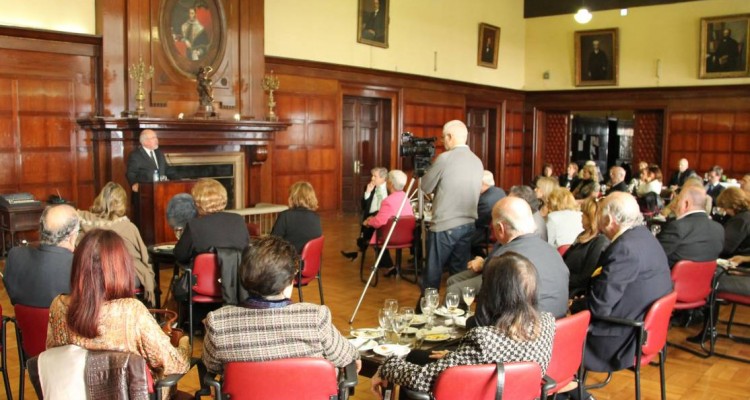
pixel 153 158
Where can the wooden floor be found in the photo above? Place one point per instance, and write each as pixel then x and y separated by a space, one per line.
pixel 688 377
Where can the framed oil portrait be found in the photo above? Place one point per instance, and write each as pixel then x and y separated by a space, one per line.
pixel 596 55
pixel 489 41
pixel 192 34
pixel 372 22
pixel 724 46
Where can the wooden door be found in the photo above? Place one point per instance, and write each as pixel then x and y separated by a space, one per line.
pixel 478 123
pixel 362 145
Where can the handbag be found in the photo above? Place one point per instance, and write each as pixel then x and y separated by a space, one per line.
pixel 181 286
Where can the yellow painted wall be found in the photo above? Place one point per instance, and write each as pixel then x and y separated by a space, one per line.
pixel 77 16
pixel 326 31
pixel 669 33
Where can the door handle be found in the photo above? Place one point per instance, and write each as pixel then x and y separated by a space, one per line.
pixel 357 167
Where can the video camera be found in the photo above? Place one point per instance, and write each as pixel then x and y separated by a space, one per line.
pixel 421 150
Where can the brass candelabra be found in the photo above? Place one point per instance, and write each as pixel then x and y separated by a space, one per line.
pixel 270 83
pixel 140 72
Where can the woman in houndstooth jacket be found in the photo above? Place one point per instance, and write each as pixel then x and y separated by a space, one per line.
pixel 509 328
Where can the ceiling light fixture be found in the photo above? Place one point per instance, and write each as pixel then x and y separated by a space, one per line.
pixel 583 16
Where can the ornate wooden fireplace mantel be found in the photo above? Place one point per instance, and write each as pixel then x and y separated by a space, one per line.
pixel 114 138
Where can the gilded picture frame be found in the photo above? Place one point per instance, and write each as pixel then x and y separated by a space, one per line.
pixel 723 48
pixel 372 22
pixel 489 42
pixel 597 57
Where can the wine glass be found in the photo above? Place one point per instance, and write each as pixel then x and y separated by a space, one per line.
pixel 427 310
pixel 178 232
pixel 384 319
pixel 468 293
pixel 399 322
pixel 408 313
pixel 391 304
pixel 451 302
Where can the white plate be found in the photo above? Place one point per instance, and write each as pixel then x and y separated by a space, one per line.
pixel 410 330
pixel 359 345
pixel 391 350
pixel 436 337
pixel 443 312
pixel 419 319
pixel 369 333
pixel 164 247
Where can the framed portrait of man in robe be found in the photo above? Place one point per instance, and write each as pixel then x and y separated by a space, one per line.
pixel 372 23
pixel 596 54
pixel 724 41
pixel 489 41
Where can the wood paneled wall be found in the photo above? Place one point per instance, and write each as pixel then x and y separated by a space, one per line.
pixel 46 81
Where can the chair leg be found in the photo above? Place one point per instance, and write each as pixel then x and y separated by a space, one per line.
pixel 662 380
pixel 299 291
pixel 21 362
pixel 637 371
pixel 320 289
pixel 4 359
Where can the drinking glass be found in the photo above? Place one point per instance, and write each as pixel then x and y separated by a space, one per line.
pixel 451 302
pixel 178 232
pixel 427 310
pixel 469 293
pixel 399 322
pixel 384 319
pixel 391 304
pixel 408 313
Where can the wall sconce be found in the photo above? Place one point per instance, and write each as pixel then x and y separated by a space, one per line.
pixel 583 16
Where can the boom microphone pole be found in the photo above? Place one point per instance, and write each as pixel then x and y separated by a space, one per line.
pixel 383 249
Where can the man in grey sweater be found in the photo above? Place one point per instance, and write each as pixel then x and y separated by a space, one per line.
pixel 455 179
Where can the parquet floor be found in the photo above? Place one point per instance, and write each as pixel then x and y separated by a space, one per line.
pixel 688 377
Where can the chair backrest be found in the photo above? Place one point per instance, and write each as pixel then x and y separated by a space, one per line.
pixel 312 257
pixel 692 280
pixel 403 234
pixel 31 323
pixel 207 274
pixel 567 348
pixel 563 249
pixel 656 324
pixel 479 382
pixel 291 378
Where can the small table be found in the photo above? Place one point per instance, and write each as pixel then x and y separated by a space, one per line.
pixel 19 218
pixel 161 254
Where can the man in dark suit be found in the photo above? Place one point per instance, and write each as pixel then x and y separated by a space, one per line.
pixel 514 229
pixel 146 159
pixel 373 23
pixel 488 196
pixel 679 176
pixel 35 276
pixel 692 236
pixel 634 273
pixel 375 192
pixel 713 187
pixel 617 180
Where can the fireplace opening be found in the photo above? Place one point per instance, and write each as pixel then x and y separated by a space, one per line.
pixel 227 168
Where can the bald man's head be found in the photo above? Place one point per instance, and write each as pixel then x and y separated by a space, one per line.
pixel 514 214
pixel 57 224
pixel 619 211
pixel 455 134
pixel 148 139
pixel 691 198
pixel 616 174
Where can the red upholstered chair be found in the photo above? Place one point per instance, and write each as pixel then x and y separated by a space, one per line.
pixel 692 283
pixel 402 238
pixel 514 381
pixel 31 336
pixel 3 354
pixel 563 249
pixel 311 262
pixel 206 287
pixel 567 353
pixel 651 334
pixel 291 378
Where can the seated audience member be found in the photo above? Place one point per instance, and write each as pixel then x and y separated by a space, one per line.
pixel 214 227
pixel 691 181
pixel 737 229
pixel 514 229
pixel 527 194
pixel 511 327
pixel 634 273
pixel 547 171
pixel 617 180
pixel 582 258
pixel 300 223
pixel 375 192
pixel 389 207
pixel 564 218
pixel 745 184
pixel 635 183
pixel 34 276
pixel 589 184
pixel 267 325
pixel 108 212
pixel 488 196
pixel 650 181
pixel 180 209
pixel 570 180
pixel 678 178
pixel 544 187
pixel 714 187
pixel 693 235
pixel 101 314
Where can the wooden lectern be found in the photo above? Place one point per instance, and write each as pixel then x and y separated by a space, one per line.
pixel 150 213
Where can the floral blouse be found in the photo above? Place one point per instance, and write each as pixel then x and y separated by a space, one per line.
pixel 124 325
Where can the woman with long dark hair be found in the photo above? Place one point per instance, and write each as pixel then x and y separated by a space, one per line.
pixel 510 328
pixel 100 313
